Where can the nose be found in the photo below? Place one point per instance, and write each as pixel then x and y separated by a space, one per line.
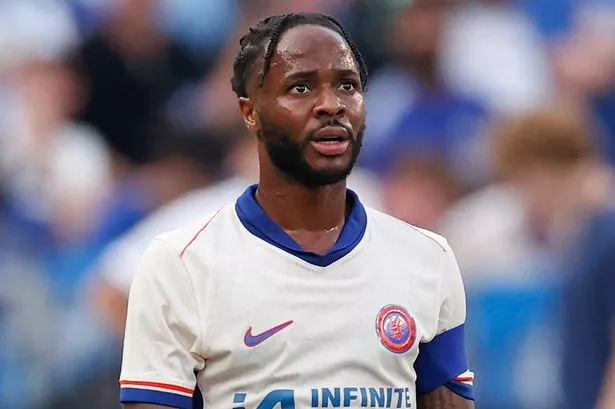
pixel 328 104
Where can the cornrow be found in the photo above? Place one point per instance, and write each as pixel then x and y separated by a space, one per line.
pixel 276 32
pixel 268 32
pixel 355 51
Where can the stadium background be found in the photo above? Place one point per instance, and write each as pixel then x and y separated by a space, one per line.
pixel 112 109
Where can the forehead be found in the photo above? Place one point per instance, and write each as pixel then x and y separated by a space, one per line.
pixel 312 48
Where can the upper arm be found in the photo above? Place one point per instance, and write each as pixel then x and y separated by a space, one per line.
pixel 162 341
pixel 443 361
pixel 442 398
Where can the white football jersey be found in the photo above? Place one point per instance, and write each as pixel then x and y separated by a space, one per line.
pixel 236 310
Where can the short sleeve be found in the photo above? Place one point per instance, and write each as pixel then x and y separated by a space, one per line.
pixel 443 360
pixel 163 332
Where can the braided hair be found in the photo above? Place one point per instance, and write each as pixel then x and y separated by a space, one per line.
pixel 262 40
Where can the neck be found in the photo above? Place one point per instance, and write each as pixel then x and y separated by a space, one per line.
pixel 295 207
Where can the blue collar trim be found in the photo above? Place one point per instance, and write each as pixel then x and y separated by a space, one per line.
pixel 257 222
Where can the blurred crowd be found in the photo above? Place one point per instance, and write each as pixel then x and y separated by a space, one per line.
pixel 491 122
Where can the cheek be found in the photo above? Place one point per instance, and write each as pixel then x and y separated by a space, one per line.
pixel 355 108
pixel 289 116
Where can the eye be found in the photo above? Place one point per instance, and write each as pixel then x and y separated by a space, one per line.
pixel 299 89
pixel 347 86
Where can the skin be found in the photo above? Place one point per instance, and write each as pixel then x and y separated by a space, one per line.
pixel 313 79
pixel 442 398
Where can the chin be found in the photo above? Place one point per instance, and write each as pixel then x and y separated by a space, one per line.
pixel 314 170
pixel 328 176
pixel 330 163
pixel 342 169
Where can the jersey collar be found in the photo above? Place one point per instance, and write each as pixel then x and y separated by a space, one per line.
pixel 257 222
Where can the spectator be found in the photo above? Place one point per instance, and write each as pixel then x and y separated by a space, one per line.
pixel 131 69
pixel 412 108
pixel 552 157
pixel 51 155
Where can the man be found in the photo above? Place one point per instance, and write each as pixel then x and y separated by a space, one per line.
pixel 552 159
pixel 298 295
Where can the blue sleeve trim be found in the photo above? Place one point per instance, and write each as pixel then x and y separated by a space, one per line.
pixel 441 360
pixel 134 395
pixel 461 389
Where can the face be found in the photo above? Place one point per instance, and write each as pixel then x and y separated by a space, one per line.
pixel 309 115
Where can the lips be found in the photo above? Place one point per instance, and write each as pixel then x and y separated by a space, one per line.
pixel 331 133
pixel 331 141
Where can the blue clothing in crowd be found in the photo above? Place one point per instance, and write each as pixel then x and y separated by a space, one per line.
pixel 589 312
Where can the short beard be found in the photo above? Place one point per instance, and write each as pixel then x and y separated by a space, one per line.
pixel 288 156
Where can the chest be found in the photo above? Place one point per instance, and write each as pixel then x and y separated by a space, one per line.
pixel 279 315
pixel 346 335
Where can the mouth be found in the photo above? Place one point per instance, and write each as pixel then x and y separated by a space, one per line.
pixel 331 147
pixel 331 134
pixel 331 141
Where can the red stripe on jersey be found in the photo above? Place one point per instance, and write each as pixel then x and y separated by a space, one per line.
pixel 199 232
pixel 158 385
pixel 428 236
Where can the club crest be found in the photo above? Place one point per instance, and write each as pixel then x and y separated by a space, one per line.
pixel 396 329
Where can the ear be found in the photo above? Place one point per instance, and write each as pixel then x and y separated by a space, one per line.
pixel 246 105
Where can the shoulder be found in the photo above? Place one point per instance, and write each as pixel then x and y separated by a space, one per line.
pixel 398 231
pixel 183 238
pixel 192 207
pixel 163 260
pixel 172 223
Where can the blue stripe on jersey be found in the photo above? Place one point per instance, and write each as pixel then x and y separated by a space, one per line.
pixel 441 360
pixel 135 395
pixel 257 222
pixel 461 389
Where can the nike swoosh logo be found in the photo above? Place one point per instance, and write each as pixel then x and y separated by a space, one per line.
pixel 253 340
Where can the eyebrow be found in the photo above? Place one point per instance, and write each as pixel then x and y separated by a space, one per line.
pixel 313 73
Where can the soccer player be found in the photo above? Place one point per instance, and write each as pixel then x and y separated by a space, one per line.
pixel 297 295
